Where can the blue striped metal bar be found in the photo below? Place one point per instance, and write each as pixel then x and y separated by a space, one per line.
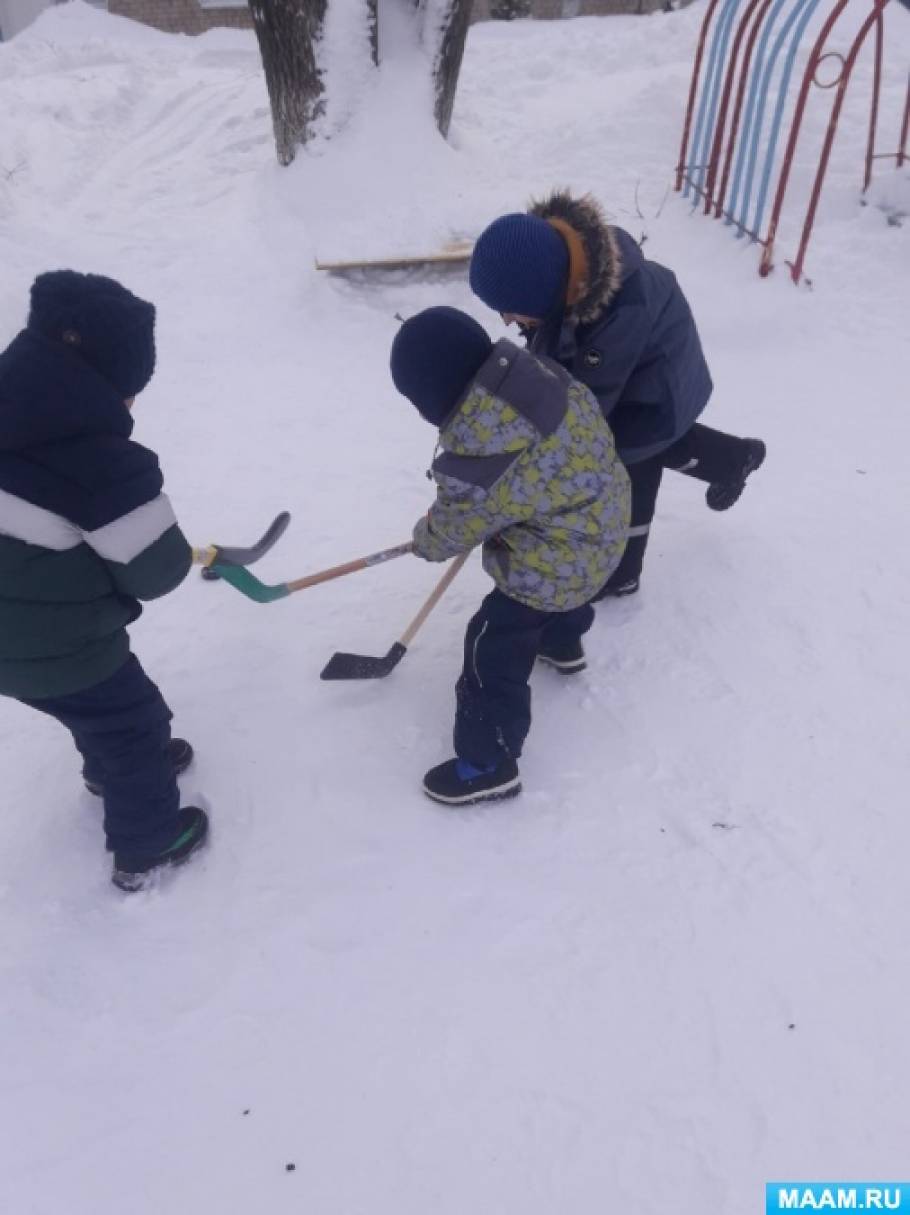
pixel 753 120
pixel 799 29
pixel 707 106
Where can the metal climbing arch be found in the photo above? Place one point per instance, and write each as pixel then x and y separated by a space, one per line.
pixel 737 152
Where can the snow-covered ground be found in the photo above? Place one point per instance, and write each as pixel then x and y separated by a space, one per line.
pixel 676 967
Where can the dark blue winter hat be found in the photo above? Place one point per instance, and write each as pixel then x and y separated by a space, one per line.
pixel 435 356
pixel 109 327
pixel 520 264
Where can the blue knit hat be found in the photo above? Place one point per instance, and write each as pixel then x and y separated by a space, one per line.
pixel 520 264
pixel 109 327
pixel 435 356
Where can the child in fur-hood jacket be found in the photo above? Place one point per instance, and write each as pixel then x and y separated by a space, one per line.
pixel 585 295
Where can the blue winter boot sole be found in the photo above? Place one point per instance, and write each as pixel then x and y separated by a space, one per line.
pixel 456 783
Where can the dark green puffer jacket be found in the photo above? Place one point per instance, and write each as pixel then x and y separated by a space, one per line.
pixel 85 530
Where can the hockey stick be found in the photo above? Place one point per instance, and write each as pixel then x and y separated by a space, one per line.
pixel 362 666
pixel 213 554
pixel 262 592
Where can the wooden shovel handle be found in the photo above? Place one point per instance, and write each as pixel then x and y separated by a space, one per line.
pixel 441 587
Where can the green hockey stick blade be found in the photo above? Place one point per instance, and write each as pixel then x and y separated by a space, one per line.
pixel 248 584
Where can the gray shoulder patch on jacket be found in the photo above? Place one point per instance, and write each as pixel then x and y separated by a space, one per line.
pixel 534 387
pixel 480 471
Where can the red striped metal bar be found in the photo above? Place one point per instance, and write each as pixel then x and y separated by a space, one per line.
pixel 783 180
pixel 796 269
pixel 905 128
pixel 693 89
pixel 876 91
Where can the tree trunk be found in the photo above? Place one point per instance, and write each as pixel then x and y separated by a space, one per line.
pixel 456 17
pixel 289 34
pixel 373 21
pixel 508 10
pixel 287 31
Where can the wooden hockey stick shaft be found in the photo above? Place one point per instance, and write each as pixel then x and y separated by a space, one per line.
pixel 350 567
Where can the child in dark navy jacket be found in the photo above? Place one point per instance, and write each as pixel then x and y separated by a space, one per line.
pixel 85 534
pixel 584 294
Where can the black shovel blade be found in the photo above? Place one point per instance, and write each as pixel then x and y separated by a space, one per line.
pixel 362 666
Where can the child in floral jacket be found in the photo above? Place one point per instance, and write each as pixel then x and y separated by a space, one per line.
pixel 527 468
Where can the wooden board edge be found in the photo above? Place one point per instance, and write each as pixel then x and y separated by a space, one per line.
pixel 453 256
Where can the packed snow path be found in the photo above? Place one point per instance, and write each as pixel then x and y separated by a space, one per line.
pixel 676 966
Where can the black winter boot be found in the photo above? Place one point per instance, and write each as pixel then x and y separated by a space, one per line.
pixel 181 757
pixel 617 588
pixel 721 495
pixel 568 657
pixel 458 783
pixel 132 873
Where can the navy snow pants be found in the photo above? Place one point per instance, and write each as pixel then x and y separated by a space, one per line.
pixel 705 454
pixel 122 730
pixel 493 699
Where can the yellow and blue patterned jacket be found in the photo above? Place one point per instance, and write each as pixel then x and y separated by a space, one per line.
pixel 528 468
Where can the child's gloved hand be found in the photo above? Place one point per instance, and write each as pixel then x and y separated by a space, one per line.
pixel 429 544
pixel 422 539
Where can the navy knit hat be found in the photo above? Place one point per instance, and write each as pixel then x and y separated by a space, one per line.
pixel 109 327
pixel 520 264
pixel 435 356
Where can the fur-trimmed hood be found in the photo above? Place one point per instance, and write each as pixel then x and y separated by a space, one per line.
pixel 626 331
pixel 595 259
